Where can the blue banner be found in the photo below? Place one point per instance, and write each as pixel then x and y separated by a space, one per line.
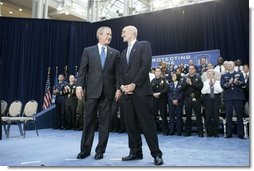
pixel 176 59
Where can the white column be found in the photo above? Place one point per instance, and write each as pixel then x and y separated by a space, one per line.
pixel 126 10
pixel 45 9
pixel 34 8
pixel 93 11
pixel 98 10
pixel 39 12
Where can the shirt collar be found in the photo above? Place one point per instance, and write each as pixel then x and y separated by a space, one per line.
pixel 131 43
pixel 100 46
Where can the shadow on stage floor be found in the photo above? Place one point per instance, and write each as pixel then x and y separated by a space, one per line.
pixel 60 148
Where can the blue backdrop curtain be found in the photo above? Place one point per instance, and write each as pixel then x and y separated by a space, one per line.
pixel 29 46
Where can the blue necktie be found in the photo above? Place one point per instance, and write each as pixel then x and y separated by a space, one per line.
pixel 211 89
pixel 103 56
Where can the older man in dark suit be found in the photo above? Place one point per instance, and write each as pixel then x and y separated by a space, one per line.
pixel 98 73
pixel 135 64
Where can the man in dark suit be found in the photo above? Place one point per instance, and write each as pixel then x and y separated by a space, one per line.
pixel 135 64
pixel 98 73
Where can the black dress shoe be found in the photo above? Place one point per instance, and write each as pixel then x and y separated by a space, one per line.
pixel 209 135
pixel 82 155
pixel 165 134
pixel 98 156
pixel 171 133
pixel 179 134
pixel 201 135
pixel 133 157
pixel 241 137
pixel 158 160
pixel 229 136
pixel 187 134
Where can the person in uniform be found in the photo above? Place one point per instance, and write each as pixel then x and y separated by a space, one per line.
pixel 58 90
pixel 160 90
pixel 71 103
pixel 192 86
pixel 232 83
pixel 175 102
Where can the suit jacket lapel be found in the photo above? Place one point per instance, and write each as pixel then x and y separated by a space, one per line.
pixel 97 56
pixel 125 60
pixel 133 50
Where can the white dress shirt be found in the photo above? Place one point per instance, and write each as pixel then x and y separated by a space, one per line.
pixel 206 87
pixel 100 46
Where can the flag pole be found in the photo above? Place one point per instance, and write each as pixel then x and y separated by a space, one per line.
pixel 65 71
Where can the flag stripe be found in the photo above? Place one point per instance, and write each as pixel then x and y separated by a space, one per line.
pixel 47 95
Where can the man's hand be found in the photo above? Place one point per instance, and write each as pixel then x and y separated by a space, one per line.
pixel 118 95
pixel 80 93
pixel 125 89
pixel 156 95
pixel 131 87
pixel 175 102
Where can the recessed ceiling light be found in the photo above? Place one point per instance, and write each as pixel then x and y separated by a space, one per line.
pixel 10 12
pixel 1 3
pixel 20 9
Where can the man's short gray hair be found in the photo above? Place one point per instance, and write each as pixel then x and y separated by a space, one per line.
pixel 100 30
pixel 133 29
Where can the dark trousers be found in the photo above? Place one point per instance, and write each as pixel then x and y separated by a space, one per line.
pixel 160 104
pixel 175 112
pixel 139 112
pixel 103 105
pixel 238 106
pixel 80 114
pixel 212 109
pixel 115 122
pixel 196 106
pixel 122 117
pixel 60 112
pixel 70 110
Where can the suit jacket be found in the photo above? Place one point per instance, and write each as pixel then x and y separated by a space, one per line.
pixel 137 70
pixel 175 93
pixel 94 78
pixel 233 91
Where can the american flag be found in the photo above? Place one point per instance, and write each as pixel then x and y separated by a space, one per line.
pixel 47 96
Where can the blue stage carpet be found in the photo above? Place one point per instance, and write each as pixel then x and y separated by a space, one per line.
pixel 60 148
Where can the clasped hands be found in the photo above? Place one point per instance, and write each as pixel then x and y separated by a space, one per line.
pixel 128 89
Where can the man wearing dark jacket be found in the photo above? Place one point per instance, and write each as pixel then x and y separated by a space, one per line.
pixel 135 64
pixel 98 73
